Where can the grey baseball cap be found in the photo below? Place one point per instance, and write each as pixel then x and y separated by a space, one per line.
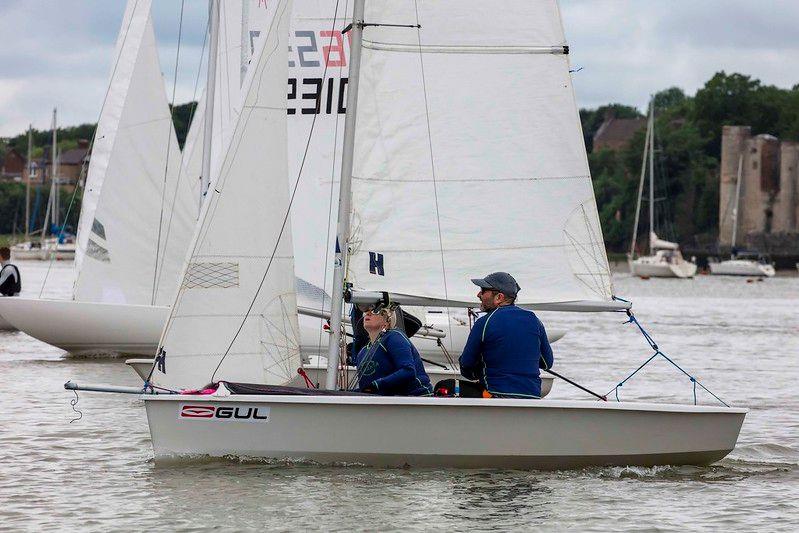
pixel 499 281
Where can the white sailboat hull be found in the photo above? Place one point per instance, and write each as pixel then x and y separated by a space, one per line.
pixel 440 432
pixel 318 373
pixel 88 327
pixel 649 267
pixel 741 267
pixel 98 328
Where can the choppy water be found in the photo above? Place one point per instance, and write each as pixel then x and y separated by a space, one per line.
pixel 740 339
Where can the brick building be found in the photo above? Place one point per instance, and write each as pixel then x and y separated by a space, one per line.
pixel 616 133
pixel 12 165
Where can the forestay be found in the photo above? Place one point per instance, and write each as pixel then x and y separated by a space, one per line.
pixel 132 176
pixel 469 156
pixel 240 226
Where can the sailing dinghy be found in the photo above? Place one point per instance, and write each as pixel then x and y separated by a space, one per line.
pixel 137 215
pixel 429 138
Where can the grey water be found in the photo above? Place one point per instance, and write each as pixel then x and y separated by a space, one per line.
pixel 739 338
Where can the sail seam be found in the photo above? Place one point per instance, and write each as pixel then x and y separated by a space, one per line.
pixel 464 48
pixel 471 180
pixel 481 249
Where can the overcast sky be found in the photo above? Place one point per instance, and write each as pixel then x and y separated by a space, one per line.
pixel 59 52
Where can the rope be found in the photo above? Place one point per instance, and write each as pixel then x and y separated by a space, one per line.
pixel 652 344
pixel 308 382
pixel 73 402
pixel 433 167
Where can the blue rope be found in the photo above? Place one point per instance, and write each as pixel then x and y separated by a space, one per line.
pixel 652 344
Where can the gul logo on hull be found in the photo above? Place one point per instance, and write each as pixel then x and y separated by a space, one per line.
pixel 222 413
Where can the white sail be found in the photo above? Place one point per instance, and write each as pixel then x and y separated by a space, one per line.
pixel 469 156
pixel 131 187
pixel 656 243
pixel 236 305
pixel 318 65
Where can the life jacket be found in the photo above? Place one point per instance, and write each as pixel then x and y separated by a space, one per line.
pixel 13 284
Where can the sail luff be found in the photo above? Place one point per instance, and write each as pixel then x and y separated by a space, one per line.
pixel 210 95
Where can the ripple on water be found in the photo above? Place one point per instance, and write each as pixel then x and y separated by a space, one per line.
pixel 98 474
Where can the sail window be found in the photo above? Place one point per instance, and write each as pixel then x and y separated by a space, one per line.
pixel 98 229
pixel 96 251
pixel 212 276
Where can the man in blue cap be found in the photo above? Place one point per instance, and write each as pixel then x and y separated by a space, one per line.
pixel 508 344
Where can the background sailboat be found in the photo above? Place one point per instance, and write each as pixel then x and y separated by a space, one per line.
pixel 227 331
pixel 664 259
pixel 45 248
pixel 741 263
pixel 137 213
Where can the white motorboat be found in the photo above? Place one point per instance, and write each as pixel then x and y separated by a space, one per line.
pixel 435 168
pixel 664 259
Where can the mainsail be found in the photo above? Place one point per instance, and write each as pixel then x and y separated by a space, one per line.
pixel 236 305
pixel 132 189
pixel 469 156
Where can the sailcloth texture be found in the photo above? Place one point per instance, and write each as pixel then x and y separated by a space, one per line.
pixel 235 316
pixel 469 156
pixel 137 217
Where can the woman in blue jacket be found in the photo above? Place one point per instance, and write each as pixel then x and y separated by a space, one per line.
pixel 389 364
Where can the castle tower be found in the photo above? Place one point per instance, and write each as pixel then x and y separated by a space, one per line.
pixel 785 207
pixel 761 184
pixel 733 146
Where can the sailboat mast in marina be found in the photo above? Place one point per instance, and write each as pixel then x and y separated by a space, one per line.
pixel 428 148
pixel 665 259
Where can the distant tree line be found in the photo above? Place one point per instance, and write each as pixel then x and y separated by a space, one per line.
pixel 687 141
pixel 687 152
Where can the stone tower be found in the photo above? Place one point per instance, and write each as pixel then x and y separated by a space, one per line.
pixel 733 146
pixel 787 204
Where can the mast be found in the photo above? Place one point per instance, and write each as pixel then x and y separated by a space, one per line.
pixel 641 186
pixel 54 180
pixel 345 198
pixel 652 176
pixel 210 88
pixel 737 202
pixel 28 185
